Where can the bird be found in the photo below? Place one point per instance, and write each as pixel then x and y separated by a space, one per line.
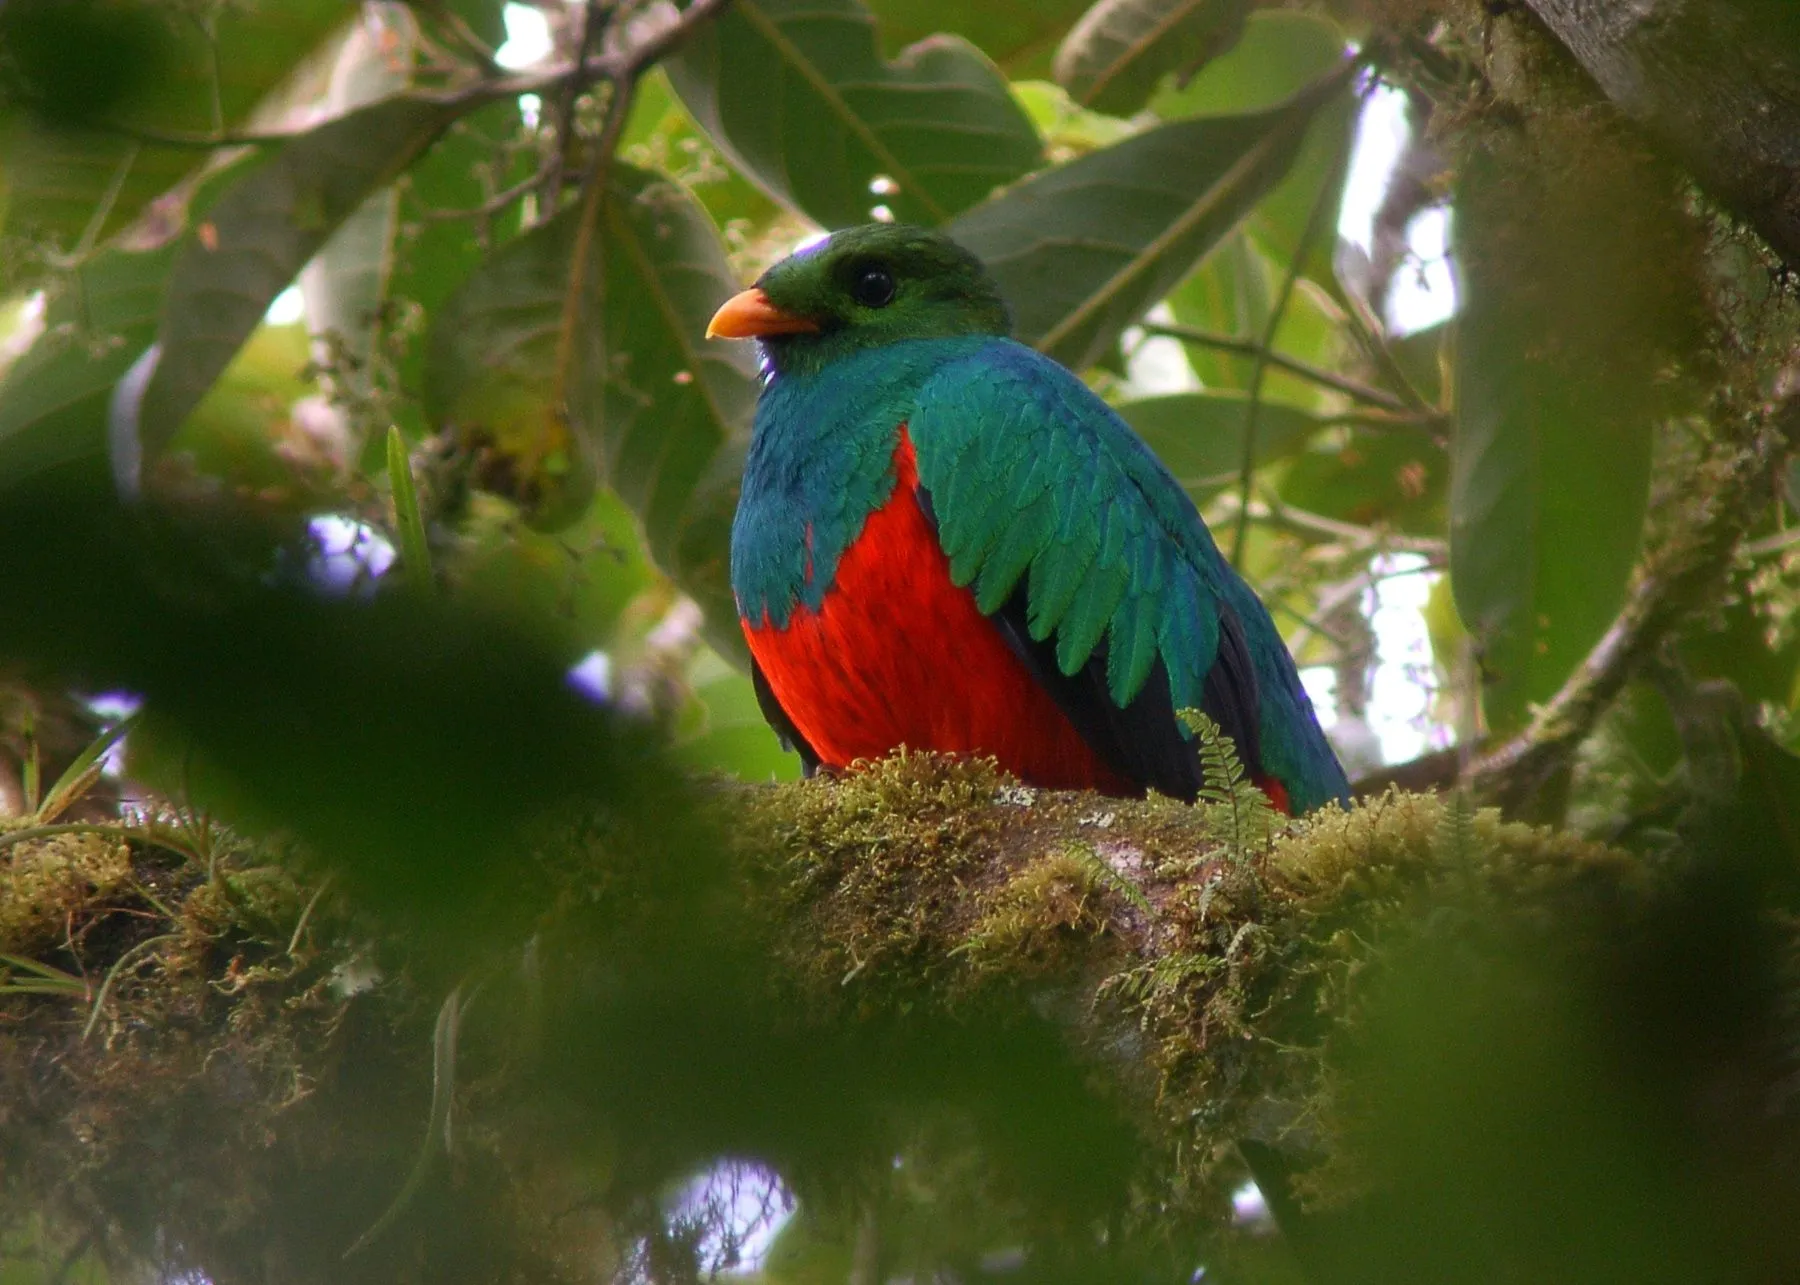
pixel 945 541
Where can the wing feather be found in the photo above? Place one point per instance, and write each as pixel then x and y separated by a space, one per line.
pixel 1098 571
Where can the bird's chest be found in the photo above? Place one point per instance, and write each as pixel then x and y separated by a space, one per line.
pixel 895 654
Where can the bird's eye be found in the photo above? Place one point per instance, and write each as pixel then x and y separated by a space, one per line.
pixel 873 287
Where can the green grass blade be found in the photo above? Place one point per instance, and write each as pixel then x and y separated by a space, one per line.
pixel 80 774
pixel 437 1129
pixel 50 980
pixel 415 554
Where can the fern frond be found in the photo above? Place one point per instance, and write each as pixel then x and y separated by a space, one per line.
pixel 1248 818
pixel 1104 874
pixel 1158 980
pixel 1454 841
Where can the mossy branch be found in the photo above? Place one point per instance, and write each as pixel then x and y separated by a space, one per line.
pixel 1202 997
pixel 1682 575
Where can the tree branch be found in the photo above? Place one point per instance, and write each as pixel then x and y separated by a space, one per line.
pixel 1674 580
pixel 615 65
pixel 1281 361
pixel 1718 83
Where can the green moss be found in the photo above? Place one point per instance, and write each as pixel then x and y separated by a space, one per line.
pixel 47 885
pixel 1039 916
pixel 931 881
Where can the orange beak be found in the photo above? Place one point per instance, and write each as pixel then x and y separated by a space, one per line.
pixel 750 315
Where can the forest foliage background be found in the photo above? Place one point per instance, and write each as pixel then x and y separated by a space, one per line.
pixel 356 420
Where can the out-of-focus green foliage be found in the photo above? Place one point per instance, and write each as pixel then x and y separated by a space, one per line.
pixel 498 366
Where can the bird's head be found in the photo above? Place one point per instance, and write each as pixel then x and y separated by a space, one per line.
pixel 863 288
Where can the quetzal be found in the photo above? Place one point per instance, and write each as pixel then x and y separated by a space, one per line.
pixel 946 541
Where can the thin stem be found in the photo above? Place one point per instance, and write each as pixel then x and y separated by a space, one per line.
pixel 1274 511
pixel 1772 543
pixel 593 21
pixel 1292 365
pixel 593 184
pixel 1366 331
pixel 113 974
pixel 102 212
pixel 1315 222
pixel 495 204
pixel 1330 602
pixel 306 914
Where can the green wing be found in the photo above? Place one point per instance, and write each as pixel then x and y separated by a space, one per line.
pixel 1032 477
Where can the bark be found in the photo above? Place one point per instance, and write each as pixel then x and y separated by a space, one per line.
pixel 1718 81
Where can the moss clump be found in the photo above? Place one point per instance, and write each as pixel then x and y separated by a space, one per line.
pixel 880 865
pixel 47 886
pixel 1039 916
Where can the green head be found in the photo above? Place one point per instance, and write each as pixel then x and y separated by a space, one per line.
pixel 863 288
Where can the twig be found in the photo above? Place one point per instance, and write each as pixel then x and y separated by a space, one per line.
pixel 90 234
pixel 1330 602
pixel 1674 580
pixel 1774 543
pixel 1315 221
pixel 616 66
pixel 495 204
pixel 593 22
pixel 593 183
pixel 1366 330
pixel 1273 511
pixel 1292 365
pixel 438 1125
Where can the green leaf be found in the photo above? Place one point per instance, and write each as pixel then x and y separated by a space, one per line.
pixel 345 283
pixel 1082 251
pixel 1068 130
pixel 1019 37
pixel 1200 436
pixel 243 433
pixel 255 239
pixel 1557 358
pixel 664 413
pixel 1279 53
pixel 409 526
pixel 1116 55
pixel 61 171
pixel 53 399
pixel 433 256
pixel 798 96
pixel 664 137
pixel 1394 479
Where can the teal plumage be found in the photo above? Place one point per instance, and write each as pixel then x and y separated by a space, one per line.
pixel 1070 534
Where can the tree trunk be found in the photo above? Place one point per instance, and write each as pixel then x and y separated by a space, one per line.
pixel 1718 81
